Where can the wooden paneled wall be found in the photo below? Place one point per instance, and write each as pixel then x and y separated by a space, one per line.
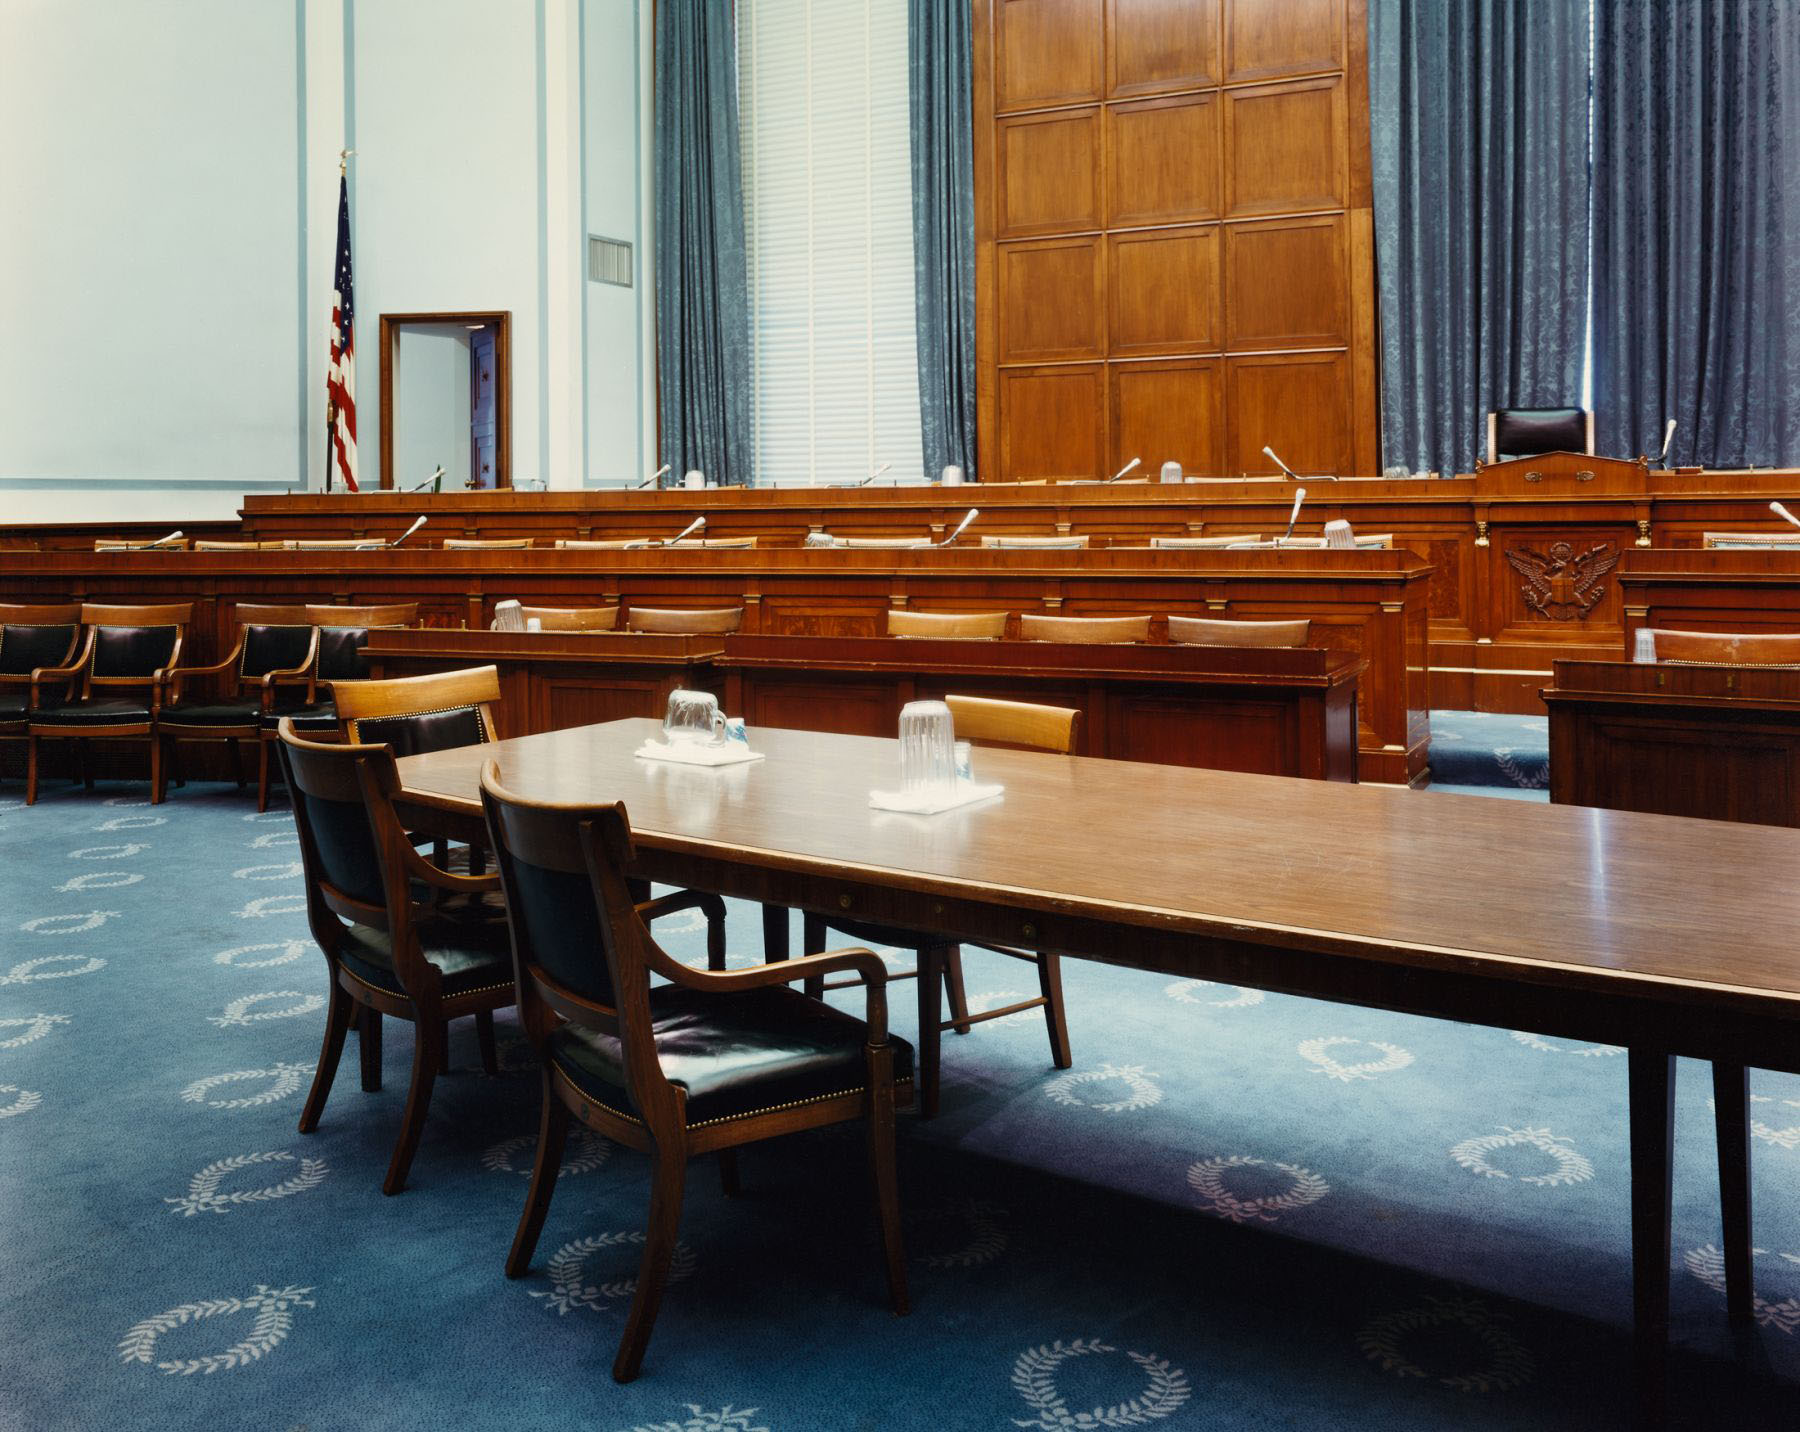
pixel 1174 240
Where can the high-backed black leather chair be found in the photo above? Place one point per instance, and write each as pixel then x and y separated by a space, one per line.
pixel 270 670
pixel 412 714
pixel 707 1061
pixel 128 651
pixel 32 637
pixel 1527 432
pixel 400 935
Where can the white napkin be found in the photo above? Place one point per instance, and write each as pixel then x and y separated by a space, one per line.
pixel 731 753
pixel 931 802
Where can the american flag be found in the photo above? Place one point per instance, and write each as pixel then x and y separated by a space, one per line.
pixel 340 377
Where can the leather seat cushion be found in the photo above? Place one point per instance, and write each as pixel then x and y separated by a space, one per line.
pixel 734 1054
pixel 94 713
pixel 13 705
pixel 200 713
pixel 320 716
pixel 468 942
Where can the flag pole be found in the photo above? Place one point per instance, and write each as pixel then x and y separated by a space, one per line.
pixel 330 404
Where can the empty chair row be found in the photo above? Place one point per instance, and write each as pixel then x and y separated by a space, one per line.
pixel 818 540
pixel 1183 631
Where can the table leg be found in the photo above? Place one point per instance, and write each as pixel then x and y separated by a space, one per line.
pixel 1652 1081
pixel 1731 1118
pixel 775 932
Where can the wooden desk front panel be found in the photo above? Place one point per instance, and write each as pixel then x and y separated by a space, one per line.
pixel 1722 743
pixel 1365 603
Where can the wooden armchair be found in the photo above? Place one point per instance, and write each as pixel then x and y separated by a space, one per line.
pixel 1033 627
pixel 708 1061
pixel 982 626
pixel 127 651
pixel 1709 648
pixel 984 722
pixel 1205 631
pixel 400 935
pixel 276 649
pixel 713 620
pixel 32 637
pixel 413 714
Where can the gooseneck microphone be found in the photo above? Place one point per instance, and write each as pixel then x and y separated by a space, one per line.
pixel 1783 513
pixel 696 525
pixel 1269 453
pixel 418 522
pixel 655 477
pixel 962 526
pixel 873 475
pixel 174 536
pixel 428 481
pixel 1294 516
pixel 1127 468
pixel 1662 458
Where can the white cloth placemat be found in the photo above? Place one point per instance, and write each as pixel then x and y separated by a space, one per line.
pixel 732 753
pixel 931 802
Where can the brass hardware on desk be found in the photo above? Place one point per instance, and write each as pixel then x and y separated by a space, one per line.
pixel 844 902
pixel 1585 475
pixel 1029 931
pixel 1534 477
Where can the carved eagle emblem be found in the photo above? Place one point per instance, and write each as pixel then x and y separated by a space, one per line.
pixel 1560 584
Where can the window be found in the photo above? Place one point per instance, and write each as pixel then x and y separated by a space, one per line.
pixel 822 102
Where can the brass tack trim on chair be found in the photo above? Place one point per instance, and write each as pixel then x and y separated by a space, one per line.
pixel 729 1118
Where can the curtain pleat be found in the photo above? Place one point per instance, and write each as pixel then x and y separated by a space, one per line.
pixel 702 284
pixel 1697 230
pixel 943 204
pixel 1479 140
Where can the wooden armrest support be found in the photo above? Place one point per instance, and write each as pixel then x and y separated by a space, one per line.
pixel 307 671
pixel 703 900
pixel 49 674
pixel 419 867
pixel 855 957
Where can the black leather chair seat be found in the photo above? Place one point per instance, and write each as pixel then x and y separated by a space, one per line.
pixel 225 713
pixel 734 1054
pixel 468 942
pixel 13 705
pixel 308 720
pixel 94 713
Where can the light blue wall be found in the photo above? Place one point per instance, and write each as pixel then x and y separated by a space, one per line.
pixel 150 253
pixel 618 450
pixel 156 246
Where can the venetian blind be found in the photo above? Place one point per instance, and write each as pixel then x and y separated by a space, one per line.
pixel 822 100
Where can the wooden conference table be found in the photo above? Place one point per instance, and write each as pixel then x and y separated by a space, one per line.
pixel 1666 935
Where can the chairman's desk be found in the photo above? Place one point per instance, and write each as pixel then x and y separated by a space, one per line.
pixel 1369 604
pixel 1667 936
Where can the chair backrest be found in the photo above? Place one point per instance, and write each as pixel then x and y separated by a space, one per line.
pixel 32 636
pixel 984 625
pixel 1199 542
pixel 722 543
pixel 383 614
pixel 202 544
pixel 478 544
pixel 988 722
pixel 436 712
pixel 129 644
pixel 344 632
pixel 1723 648
pixel 557 927
pixel 1769 540
pixel 276 646
pixel 1028 542
pixel 339 850
pixel 572 618
pixel 1205 631
pixel 1033 627
pixel 662 619
pixel 825 539
pixel 1527 432
pixel 597 544
pixel 337 544
pixel 115 544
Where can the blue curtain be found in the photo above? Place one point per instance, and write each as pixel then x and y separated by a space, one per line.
pixel 943 202
pixel 1479 130
pixel 702 285
pixel 1697 229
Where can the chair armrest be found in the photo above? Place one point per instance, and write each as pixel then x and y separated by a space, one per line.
pixel 172 677
pixel 855 957
pixel 45 674
pixel 419 867
pixel 308 671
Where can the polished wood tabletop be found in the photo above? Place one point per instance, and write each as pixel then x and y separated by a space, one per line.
pixel 1655 907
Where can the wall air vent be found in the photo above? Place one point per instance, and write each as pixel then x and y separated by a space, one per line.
pixel 609 261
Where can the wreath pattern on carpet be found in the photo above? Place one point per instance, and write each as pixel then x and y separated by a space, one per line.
pixel 274 1320
pixel 1034 1379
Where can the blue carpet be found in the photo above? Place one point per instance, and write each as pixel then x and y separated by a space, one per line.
pixel 1486 748
pixel 1237 1211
